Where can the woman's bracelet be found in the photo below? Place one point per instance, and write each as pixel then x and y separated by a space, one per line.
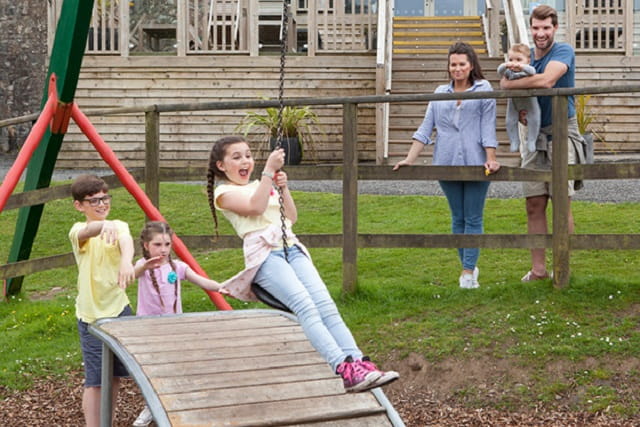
pixel 268 175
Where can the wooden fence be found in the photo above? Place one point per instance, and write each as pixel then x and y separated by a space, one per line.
pixel 350 172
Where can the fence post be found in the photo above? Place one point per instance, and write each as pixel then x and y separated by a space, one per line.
pixel 349 197
pixel 152 156
pixel 560 176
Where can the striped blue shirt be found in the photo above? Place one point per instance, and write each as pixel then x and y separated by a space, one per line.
pixel 462 131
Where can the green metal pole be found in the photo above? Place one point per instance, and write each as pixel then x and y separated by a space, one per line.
pixel 66 60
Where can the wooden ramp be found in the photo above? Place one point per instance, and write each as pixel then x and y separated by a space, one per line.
pixel 233 368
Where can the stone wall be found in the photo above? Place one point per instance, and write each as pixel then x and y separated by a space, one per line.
pixel 23 53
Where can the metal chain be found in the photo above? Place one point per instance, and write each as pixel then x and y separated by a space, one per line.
pixel 280 132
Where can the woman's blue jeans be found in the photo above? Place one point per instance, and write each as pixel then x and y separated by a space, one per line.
pixel 466 201
pixel 298 285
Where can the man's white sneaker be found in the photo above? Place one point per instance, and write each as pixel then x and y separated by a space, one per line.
pixel 144 419
pixel 466 282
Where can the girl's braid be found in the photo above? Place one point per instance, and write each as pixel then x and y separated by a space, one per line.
pixel 218 152
pixel 175 288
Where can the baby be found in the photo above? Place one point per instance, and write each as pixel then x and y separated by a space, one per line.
pixel 516 68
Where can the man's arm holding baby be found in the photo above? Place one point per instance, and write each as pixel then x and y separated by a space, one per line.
pixel 552 73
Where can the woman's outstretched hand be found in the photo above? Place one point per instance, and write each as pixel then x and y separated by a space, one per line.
pixel 401 163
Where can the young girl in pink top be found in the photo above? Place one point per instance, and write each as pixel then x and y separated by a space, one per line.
pixel 159 279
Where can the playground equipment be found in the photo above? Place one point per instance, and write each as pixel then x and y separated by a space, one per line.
pixel 240 368
pixel 43 143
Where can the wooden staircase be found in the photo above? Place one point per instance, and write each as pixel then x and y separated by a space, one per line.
pixel 420 47
pixel 415 35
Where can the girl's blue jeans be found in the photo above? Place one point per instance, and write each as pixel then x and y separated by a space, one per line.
pixel 298 285
pixel 466 201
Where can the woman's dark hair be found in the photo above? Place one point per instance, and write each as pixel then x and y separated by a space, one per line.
pixel 462 48
pixel 218 152
pixel 149 230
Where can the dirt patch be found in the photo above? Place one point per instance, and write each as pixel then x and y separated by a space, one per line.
pixel 46 295
pixel 427 394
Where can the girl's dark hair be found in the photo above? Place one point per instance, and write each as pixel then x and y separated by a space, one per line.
pixel 462 48
pixel 218 152
pixel 149 230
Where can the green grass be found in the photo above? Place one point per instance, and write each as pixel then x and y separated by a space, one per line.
pixel 407 302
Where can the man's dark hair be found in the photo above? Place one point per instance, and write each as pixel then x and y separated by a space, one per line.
pixel 543 12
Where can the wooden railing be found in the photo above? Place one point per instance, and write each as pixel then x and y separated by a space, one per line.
pixel 601 26
pixel 229 26
pixel 491 22
pixel 350 172
pixel 516 25
pixel 108 30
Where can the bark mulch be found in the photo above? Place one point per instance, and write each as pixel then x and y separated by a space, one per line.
pixel 56 402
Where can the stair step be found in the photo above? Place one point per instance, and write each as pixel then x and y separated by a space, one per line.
pixel 439 25
pixel 432 43
pixel 442 51
pixel 436 18
pixel 442 34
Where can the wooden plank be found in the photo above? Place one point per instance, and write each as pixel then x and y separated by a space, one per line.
pixel 223 380
pixel 221 365
pixel 138 347
pixel 282 413
pixel 240 396
pixel 194 333
pixel 161 357
pixel 248 319
pixel 204 62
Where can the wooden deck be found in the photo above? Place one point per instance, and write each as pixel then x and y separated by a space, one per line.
pixel 235 368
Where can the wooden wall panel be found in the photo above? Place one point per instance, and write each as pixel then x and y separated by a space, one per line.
pixel 186 138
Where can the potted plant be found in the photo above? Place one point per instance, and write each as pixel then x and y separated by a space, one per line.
pixel 297 127
pixel 585 117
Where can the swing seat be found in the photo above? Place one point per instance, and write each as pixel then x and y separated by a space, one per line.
pixel 265 297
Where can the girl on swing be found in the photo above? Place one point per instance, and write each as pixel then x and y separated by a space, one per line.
pixel 253 209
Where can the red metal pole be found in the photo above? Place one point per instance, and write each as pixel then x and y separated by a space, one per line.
pixel 31 143
pixel 132 186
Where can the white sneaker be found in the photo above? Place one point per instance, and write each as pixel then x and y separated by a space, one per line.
pixel 476 273
pixel 144 419
pixel 466 282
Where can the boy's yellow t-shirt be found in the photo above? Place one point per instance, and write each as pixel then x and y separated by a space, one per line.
pixel 98 263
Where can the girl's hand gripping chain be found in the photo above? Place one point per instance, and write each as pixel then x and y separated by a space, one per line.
pixel 275 161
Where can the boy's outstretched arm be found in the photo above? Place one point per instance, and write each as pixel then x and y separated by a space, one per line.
pixel 126 274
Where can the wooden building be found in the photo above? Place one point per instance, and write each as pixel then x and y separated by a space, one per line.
pixel 219 50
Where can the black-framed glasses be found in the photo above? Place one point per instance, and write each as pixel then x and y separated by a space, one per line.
pixel 95 201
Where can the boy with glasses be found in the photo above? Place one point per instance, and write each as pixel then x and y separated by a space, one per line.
pixel 103 250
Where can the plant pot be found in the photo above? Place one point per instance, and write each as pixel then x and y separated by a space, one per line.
pixel 292 151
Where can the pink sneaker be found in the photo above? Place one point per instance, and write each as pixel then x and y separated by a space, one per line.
pixel 356 377
pixel 385 378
